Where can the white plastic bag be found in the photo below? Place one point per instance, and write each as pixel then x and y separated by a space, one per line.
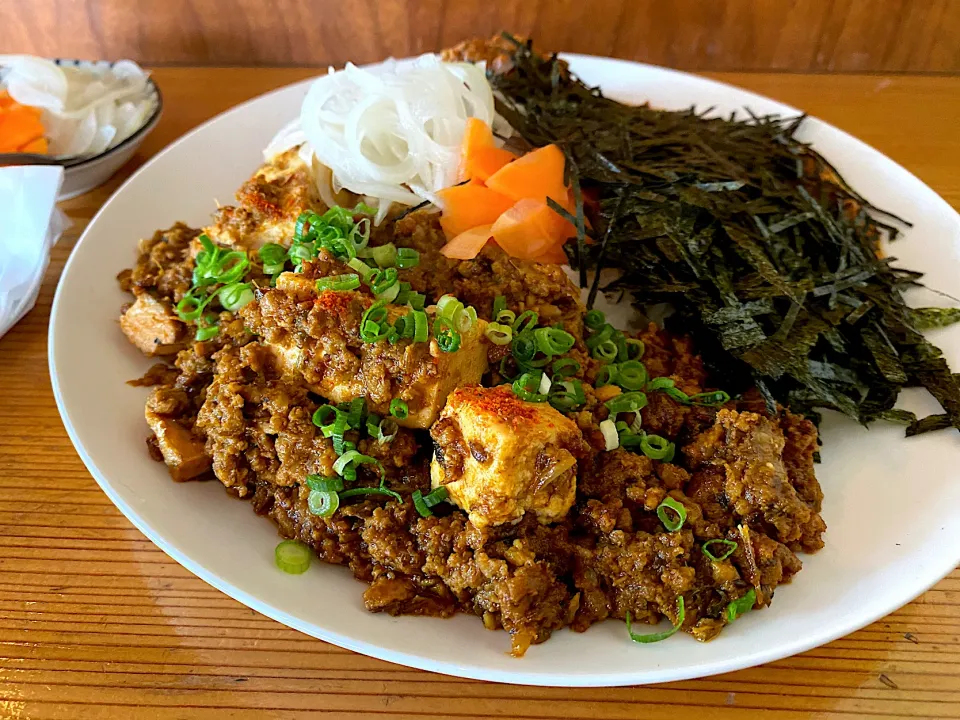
pixel 30 224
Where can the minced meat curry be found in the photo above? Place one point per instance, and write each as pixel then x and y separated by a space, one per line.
pixel 544 528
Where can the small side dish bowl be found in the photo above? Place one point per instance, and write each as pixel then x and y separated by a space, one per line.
pixel 84 173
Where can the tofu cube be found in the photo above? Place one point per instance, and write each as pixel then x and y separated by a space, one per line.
pixel 153 327
pixel 183 452
pixel 499 456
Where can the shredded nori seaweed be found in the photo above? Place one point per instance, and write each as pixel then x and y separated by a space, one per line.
pixel 770 260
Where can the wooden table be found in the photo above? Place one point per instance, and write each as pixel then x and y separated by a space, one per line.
pixel 97 623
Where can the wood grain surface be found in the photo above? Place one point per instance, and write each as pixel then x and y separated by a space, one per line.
pixel 796 35
pixel 97 623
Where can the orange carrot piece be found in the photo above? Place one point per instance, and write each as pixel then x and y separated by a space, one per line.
pixel 468 244
pixel 469 205
pixel 537 175
pixel 5 100
pixel 19 126
pixel 480 157
pixel 529 230
pixel 36 146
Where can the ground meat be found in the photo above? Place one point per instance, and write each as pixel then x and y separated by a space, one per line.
pixel 247 398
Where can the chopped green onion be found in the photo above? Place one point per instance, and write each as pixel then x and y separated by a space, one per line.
pixel 670 523
pixel 403 295
pixel 325 415
pixel 191 307
pixel 658 636
pixel 205 333
pixel 382 280
pixel 324 484
pixel 660 383
pixel 740 606
pixel 635 348
pixel 420 326
pixel 506 317
pixel 631 375
pixel 594 320
pixel 499 305
pixel 386 430
pixel 435 497
pixel 567 395
pixel 610 437
pixel 416 300
pixel 677 394
pixel 523 346
pixel 467 319
pixel 551 341
pixel 607 375
pixel 717 397
pixel 450 307
pixel 373 323
pixel 322 503
pixel 373 424
pixel 606 351
pixel 526 321
pixel 382 490
pixel 420 505
pixel 407 258
pixel 235 296
pixel 292 557
pixel 355 412
pixel 527 385
pixel 601 335
pixel 447 336
pixel 626 402
pixel 361 267
pixel 352 458
pixel 236 271
pixel 565 367
pixel 385 255
pixel 350 281
pixel 657 448
pixel 399 409
pixel 390 294
pixel 730 545
pixel 498 334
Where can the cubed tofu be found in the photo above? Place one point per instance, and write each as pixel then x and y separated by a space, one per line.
pixel 421 374
pixel 183 453
pixel 153 326
pixel 500 457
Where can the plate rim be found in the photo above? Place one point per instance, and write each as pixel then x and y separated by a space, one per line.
pixel 468 671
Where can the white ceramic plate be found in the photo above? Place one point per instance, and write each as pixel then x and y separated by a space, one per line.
pixel 892 505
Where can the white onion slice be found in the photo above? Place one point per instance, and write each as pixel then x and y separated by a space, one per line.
pixel 391 132
pixel 610 435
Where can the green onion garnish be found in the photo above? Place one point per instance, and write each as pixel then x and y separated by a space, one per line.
pixel 551 341
pixel 355 412
pixel 498 334
pixel 382 490
pixel 399 409
pixel 421 330
pixel 506 317
pixel 382 280
pixel 416 300
pixel 447 336
pixel 191 307
pixel 373 323
pixel 350 281
pixel 626 402
pixel 352 458
pixel 292 557
pixel 527 387
pixel 635 348
pixel 324 484
pixel 523 346
pixel 631 375
pixel 658 636
pixel 420 505
pixel 656 447
pixel 730 545
pixel 566 395
pixel 660 383
pixel 436 496
pixel 205 333
pixel 606 351
pixel 565 367
pixel 385 255
pixel 527 320
pixel 670 523
pixel 235 296
pixel 740 606
pixel 323 504
pixel 407 258
pixel 373 424
pixel 594 320
pixel 499 305
pixel 361 267
pixel 386 430
pixel 717 397
pixel 403 295
pixel 603 334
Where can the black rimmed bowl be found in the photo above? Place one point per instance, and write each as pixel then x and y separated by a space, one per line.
pixel 84 173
